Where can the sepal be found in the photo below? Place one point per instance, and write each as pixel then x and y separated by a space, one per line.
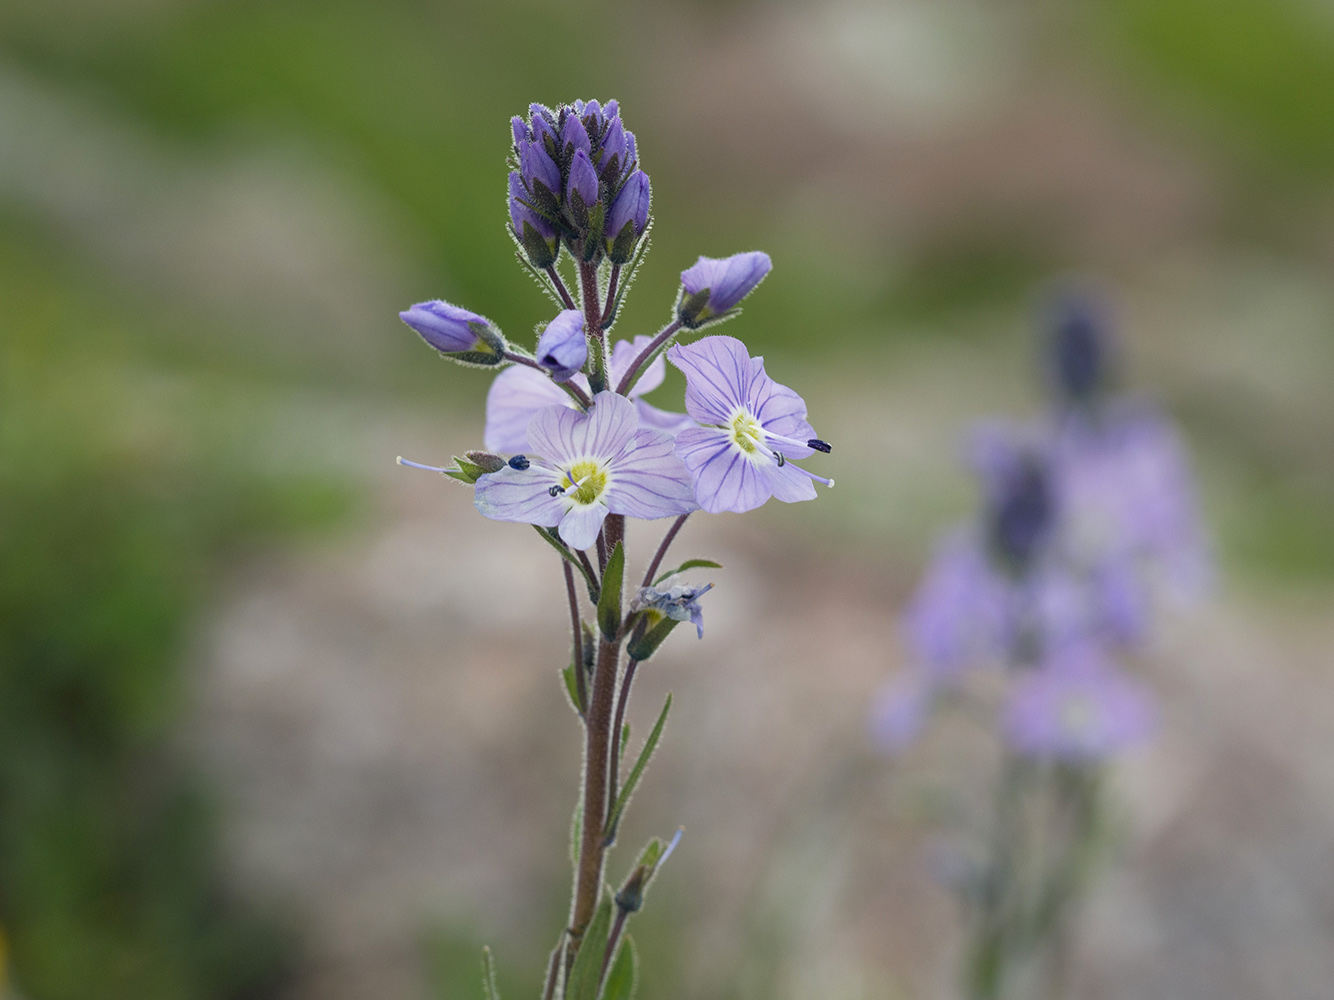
pixel 646 645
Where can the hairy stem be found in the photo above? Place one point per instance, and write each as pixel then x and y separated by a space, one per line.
pixel 599 378
pixel 611 295
pixel 561 290
pixel 646 355
pixel 614 772
pixel 588 883
pixel 667 540
pixel 580 685
pixel 612 939
pixel 577 394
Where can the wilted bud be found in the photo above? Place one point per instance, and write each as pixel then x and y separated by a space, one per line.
pixel 711 287
pixel 562 349
pixel 464 336
pixel 485 461
pixel 629 216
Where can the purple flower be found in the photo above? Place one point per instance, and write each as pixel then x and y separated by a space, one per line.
pixel 518 393
pixel 562 349
pixel 628 217
pixel 614 146
pixel 591 465
pixel 711 287
pixel 537 166
pixel 1020 497
pixel 583 179
pixel 1076 708
pixel 962 615
pixel 679 603
pixel 452 329
pixel 753 427
pixel 1126 485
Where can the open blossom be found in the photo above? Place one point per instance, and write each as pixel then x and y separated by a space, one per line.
pixel 752 428
pixel 518 393
pixel 1076 707
pixel 588 465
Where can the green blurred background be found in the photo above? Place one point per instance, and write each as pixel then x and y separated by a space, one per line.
pixel 210 213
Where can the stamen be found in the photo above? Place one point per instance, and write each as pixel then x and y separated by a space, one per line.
pixel 519 462
pixel 818 479
pixel 780 458
pixel 557 490
pixel 671 846
pixel 819 445
pixel 417 465
pixel 815 443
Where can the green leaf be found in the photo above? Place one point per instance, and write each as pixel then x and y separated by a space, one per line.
pixel 624 974
pixel 572 688
pixel 609 602
pixel 689 564
pixel 647 644
pixel 623 799
pixel 586 974
pixel 489 975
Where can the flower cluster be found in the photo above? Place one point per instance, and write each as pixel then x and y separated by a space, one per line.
pixel 1085 515
pixel 573 449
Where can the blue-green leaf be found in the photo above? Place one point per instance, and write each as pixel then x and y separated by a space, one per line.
pixel 624 974
pixel 609 603
pixel 689 564
pixel 586 973
pixel 623 799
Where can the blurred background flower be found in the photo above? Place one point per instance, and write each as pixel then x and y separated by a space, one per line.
pixel 265 729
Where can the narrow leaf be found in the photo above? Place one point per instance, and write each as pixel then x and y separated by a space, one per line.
pixel 609 603
pixel 624 974
pixel 586 974
pixel 689 564
pixel 576 833
pixel 572 687
pixel 489 975
pixel 651 744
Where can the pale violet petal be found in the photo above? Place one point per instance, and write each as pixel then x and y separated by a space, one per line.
pixel 579 528
pixel 724 478
pixel 520 495
pixel 717 371
pixel 789 484
pixel 662 420
pixel 623 354
pixel 648 479
pixel 516 395
pixel 780 410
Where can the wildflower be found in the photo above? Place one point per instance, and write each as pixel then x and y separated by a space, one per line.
pixel 711 286
pixel 562 349
pixel 678 603
pixel 592 464
pixel 1080 345
pixel 753 427
pixel 519 393
pixel 454 330
pixel 1076 708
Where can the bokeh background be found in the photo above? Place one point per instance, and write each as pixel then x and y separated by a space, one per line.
pixel 279 719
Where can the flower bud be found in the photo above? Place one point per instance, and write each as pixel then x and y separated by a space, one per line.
pixel 1081 347
pixel 574 134
pixel 583 180
pixel 538 237
pixel 628 217
pixel 562 349
pixel 612 159
pixel 711 287
pixel 457 332
pixel 537 166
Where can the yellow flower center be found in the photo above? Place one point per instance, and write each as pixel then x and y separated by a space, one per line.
pixel 591 480
pixel 747 432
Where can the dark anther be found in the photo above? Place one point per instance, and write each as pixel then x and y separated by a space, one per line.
pixel 778 457
pixel 819 445
pixel 519 462
pixel 555 491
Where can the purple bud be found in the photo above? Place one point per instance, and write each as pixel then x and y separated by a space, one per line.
pixel 630 155
pixel 448 328
pixel 543 124
pixel 726 282
pixel 520 129
pixel 521 213
pixel 583 178
pixel 562 349
pixel 591 108
pixel 613 145
pixel 1081 345
pixel 612 109
pixel 575 134
pixel 631 205
pixel 538 166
